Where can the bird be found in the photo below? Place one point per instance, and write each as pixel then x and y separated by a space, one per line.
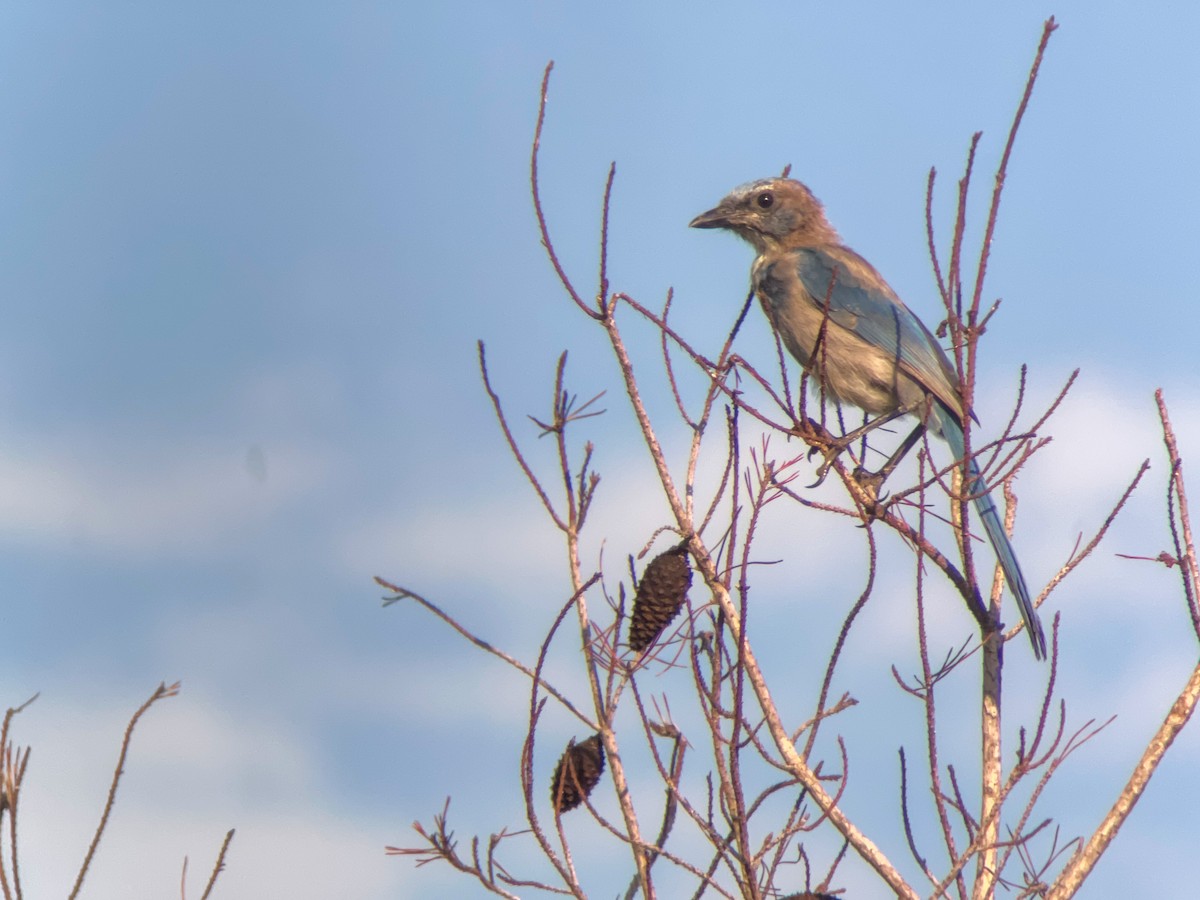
pixel 845 325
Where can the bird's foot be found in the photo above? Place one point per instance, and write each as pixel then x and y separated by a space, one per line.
pixel 830 453
pixel 870 482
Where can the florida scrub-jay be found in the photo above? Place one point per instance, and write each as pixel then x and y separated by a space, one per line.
pixel 843 323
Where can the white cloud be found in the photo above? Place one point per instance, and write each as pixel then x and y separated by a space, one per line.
pixel 166 502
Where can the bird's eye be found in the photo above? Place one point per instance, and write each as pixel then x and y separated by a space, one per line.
pixel 765 200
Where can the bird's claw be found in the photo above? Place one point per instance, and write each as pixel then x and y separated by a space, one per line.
pixel 831 456
pixel 870 482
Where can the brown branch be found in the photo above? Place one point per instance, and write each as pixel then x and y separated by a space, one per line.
pixel 404 593
pixel 928 702
pixel 931 243
pixel 1186 554
pixel 441 845
pixel 669 368
pixel 908 833
pixel 571 530
pixel 14 764
pixel 218 866
pixel 954 311
pixel 161 692
pixel 537 201
pixel 512 441
pixel 718 370
pixel 1080 555
pixel 12 775
pixel 565 869
pixel 991 799
pixel 1177 560
pixel 1048 28
pixel 1084 861
pixel 843 634
pixel 605 207
pixel 716 387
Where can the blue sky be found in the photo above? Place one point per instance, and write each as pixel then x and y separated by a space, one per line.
pixel 246 251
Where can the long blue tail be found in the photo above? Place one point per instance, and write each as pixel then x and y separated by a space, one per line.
pixel 990 517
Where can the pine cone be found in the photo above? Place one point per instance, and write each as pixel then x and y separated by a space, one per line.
pixel 660 596
pixel 577 773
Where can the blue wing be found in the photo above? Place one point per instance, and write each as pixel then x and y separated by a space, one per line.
pixel 862 302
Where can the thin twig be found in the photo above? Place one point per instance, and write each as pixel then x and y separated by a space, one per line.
pixel 161 692
pixel 1186 554
pixel 512 441
pixel 534 183
pixel 1048 28
pixel 843 634
pixel 1084 861
pixel 401 593
pixel 218 866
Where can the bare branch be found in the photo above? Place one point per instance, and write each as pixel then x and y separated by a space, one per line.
pixel 162 692
pixel 400 593
pixel 218 866
pixel 512 441
pixel 1083 862
pixel 535 187
pixel 1048 28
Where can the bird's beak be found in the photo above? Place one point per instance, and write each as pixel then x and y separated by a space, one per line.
pixel 718 217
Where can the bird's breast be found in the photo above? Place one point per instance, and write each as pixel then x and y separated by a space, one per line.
pixel 849 368
pixel 789 308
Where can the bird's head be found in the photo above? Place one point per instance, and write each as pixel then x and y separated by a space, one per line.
pixel 771 213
